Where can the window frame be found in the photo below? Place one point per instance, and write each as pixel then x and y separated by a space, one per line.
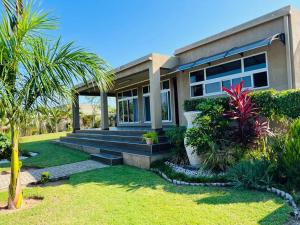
pixel 146 95
pixel 170 100
pixel 122 99
pixel 230 77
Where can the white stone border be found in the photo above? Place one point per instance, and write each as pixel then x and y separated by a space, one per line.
pixel 32 154
pixel 283 195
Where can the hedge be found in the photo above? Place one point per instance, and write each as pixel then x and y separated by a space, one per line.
pixel 270 102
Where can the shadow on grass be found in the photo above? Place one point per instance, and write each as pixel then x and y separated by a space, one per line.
pixel 133 179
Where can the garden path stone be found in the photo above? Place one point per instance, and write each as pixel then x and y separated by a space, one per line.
pixel 56 172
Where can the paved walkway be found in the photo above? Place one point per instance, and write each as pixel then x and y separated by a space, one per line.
pixel 56 172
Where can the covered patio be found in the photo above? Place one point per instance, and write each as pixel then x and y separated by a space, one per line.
pixel 145 95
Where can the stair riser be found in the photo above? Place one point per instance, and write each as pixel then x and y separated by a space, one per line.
pixel 125 145
pixel 112 132
pixel 137 139
pixel 111 162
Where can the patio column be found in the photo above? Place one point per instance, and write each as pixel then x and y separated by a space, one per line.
pixel 155 99
pixel 75 113
pixel 104 112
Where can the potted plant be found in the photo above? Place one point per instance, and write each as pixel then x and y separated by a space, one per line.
pixel 150 137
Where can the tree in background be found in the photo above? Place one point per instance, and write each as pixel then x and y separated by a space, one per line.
pixel 35 71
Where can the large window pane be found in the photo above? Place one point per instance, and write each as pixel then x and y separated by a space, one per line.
pixel 125 110
pixel 213 87
pixel 165 106
pixel 224 70
pixel 197 76
pixel 247 81
pixel 135 110
pixel 260 79
pixel 147 113
pixel 197 90
pixel 120 111
pixel 165 85
pixel 131 110
pixel 226 84
pixel 236 81
pixel 255 62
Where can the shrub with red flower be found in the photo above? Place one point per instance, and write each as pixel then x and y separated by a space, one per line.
pixel 248 125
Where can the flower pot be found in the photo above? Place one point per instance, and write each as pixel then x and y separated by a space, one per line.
pixel 194 158
pixel 149 141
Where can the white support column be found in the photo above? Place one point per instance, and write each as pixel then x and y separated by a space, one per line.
pixel 75 113
pixel 104 112
pixel 155 99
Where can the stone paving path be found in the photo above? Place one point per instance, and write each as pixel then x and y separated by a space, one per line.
pixel 56 172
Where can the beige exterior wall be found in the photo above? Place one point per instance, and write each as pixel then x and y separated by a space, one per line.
pixel 295 36
pixel 276 55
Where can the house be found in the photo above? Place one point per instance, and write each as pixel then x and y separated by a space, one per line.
pixel 150 91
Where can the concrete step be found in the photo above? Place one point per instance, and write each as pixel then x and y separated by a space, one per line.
pixel 113 132
pixel 107 159
pixel 117 144
pixel 113 137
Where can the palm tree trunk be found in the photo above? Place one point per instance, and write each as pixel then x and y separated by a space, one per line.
pixel 15 197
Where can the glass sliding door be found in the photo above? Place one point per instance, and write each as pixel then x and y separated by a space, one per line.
pixel 146 102
pixel 128 106
pixel 166 101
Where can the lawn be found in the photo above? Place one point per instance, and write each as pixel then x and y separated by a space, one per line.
pixel 50 154
pixel 127 195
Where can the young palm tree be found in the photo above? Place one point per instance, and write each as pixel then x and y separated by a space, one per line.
pixel 34 72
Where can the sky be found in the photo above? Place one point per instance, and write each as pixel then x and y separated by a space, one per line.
pixel 123 30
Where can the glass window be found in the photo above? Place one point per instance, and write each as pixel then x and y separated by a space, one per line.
pixel 134 92
pixel 133 110
pixel 127 94
pixel 224 70
pixel 165 106
pixel 212 87
pixel 260 79
pixel 145 89
pixel 226 83
pixel 247 81
pixel 236 81
pixel 121 111
pixel 197 90
pixel 197 76
pixel 119 95
pixel 165 85
pixel 125 111
pixel 255 62
pixel 147 113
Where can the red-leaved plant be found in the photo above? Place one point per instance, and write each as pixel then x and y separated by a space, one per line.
pixel 249 125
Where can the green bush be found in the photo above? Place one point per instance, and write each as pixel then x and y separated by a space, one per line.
pixel 210 136
pixel 270 103
pixel 291 155
pixel 176 136
pixel 249 174
pixel 45 177
pixel 5 147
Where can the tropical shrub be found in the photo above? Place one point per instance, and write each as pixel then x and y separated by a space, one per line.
pixel 5 147
pixel 175 136
pixel 249 174
pixel 247 126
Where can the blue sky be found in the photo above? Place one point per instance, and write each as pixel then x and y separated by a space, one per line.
pixel 121 31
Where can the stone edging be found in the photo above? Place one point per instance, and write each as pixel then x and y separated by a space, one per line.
pixel 283 195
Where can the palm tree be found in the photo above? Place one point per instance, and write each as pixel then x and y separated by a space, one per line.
pixel 35 71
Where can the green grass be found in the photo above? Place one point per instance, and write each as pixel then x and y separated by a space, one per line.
pixel 50 154
pixel 126 195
